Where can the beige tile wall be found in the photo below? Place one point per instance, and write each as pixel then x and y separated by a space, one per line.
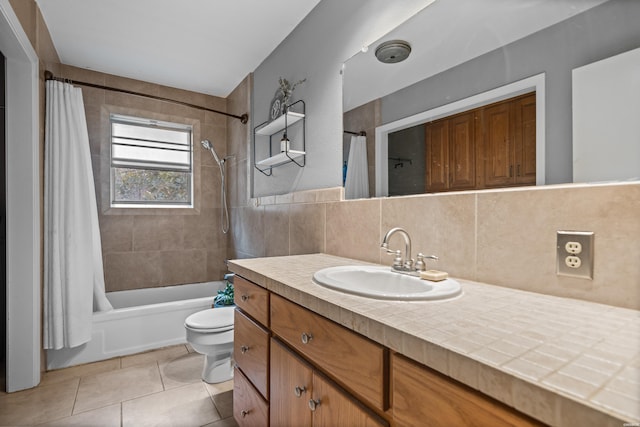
pixel 145 248
pixel 505 237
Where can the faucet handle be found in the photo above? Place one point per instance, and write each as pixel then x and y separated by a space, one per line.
pixel 397 260
pixel 420 264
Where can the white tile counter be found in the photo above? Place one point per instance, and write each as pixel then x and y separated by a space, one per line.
pixel 563 361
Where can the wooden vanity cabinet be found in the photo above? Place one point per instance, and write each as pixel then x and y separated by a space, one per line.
pixel 355 362
pixel 252 299
pixel 423 397
pixel 249 408
pixel 302 397
pixel 251 353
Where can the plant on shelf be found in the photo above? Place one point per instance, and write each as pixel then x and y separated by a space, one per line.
pixel 225 296
pixel 286 89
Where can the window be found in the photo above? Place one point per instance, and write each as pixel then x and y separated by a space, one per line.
pixel 151 163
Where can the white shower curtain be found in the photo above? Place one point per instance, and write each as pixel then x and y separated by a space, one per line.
pixel 357 184
pixel 73 271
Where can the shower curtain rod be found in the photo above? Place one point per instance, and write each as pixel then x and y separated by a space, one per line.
pixel 48 75
pixel 361 133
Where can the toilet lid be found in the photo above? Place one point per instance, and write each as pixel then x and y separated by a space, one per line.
pixel 211 319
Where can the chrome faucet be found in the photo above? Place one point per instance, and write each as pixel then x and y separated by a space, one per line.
pixel 406 265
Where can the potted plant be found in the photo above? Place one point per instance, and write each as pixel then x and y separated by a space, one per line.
pixel 225 296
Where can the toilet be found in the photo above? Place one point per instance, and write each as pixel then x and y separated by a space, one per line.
pixel 210 332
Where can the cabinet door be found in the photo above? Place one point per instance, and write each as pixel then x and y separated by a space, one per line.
pixel 332 407
pixel 356 362
pixel 291 388
pixel 437 148
pixel 251 351
pixel 462 152
pixel 524 133
pixel 498 146
pixel 422 397
pixel 249 409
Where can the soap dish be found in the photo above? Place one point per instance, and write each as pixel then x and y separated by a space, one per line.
pixel 433 275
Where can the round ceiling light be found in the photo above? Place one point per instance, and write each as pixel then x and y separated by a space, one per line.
pixel 393 51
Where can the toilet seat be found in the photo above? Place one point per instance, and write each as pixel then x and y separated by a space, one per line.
pixel 211 320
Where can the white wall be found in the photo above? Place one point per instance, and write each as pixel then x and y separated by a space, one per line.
pixel 606 108
pixel 23 204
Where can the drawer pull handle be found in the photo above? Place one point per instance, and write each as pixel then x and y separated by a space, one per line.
pixel 313 404
pixel 244 297
pixel 244 349
pixel 244 413
pixel 306 338
pixel 299 390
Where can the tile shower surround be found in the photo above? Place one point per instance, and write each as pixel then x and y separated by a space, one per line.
pixel 505 237
pixel 156 247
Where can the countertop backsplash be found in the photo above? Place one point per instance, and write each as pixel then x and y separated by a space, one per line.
pixel 506 237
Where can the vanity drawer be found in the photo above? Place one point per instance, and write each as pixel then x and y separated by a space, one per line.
pixel 252 299
pixel 358 364
pixel 251 351
pixel 249 409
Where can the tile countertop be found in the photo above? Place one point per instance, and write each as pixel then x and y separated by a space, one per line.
pixel 565 362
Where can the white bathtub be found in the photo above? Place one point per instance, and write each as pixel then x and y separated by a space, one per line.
pixel 142 319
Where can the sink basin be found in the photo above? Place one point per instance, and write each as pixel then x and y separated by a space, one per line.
pixel 381 283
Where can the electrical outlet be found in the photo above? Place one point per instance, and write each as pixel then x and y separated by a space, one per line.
pixel 575 254
pixel 573 247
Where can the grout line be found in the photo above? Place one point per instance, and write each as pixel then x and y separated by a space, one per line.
pixel 475 238
pixel 160 374
pixel 75 398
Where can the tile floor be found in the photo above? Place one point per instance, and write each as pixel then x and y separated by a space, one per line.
pixel 157 388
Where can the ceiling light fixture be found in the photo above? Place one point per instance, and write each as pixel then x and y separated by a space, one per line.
pixel 393 51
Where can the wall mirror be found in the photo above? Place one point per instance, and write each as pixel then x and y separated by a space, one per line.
pixel 500 71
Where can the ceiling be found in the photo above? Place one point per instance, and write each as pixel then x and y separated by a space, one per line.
pixel 206 46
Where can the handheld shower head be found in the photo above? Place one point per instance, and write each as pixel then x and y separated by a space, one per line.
pixel 206 144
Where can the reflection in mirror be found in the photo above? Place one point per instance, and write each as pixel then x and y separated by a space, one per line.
pixel 462 63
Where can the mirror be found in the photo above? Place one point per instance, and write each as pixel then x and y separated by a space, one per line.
pixel 496 50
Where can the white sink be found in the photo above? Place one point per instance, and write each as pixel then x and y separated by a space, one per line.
pixel 382 283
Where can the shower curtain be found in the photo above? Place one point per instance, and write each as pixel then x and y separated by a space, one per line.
pixel 357 183
pixel 73 271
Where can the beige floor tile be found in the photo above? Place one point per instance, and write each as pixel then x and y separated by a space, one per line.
pixel 58 375
pixel 182 370
pixel 219 388
pixel 37 405
pixel 162 354
pixel 224 403
pixel 108 388
pixel 184 406
pixel 108 416
pixel 227 422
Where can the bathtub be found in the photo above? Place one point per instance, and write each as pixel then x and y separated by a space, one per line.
pixel 142 319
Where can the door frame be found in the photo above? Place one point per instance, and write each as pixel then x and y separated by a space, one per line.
pixel 531 84
pixel 23 204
